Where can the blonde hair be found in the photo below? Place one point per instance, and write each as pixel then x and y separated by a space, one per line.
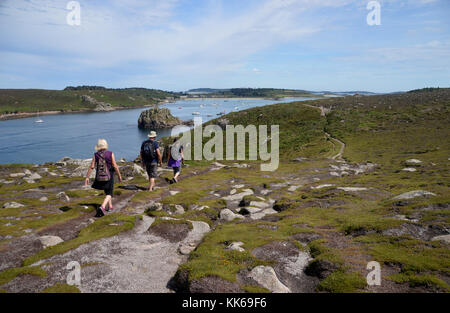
pixel 102 144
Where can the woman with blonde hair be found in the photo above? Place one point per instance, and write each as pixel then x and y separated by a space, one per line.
pixel 105 164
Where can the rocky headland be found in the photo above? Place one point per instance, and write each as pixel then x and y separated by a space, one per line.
pixel 159 118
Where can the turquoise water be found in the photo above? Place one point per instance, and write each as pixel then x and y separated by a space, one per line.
pixel 75 135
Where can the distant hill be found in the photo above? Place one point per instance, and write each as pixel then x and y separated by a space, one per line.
pixel 73 99
pixel 251 92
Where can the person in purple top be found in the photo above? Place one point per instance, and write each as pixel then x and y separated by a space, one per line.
pixel 105 164
pixel 176 158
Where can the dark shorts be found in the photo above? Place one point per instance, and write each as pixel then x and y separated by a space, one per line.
pixel 176 170
pixel 108 186
pixel 152 170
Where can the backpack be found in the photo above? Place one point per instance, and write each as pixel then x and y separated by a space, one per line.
pixel 175 152
pixel 149 152
pixel 103 173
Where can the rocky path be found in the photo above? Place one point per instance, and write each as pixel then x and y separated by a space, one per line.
pixel 135 261
pixel 323 112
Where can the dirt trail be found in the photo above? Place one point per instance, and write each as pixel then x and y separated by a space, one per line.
pixel 323 112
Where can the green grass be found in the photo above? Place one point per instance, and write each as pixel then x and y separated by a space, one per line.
pixel 11 273
pixel 342 282
pixel 425 280
pixel 255 289
pixel 412 255
pixel 61 288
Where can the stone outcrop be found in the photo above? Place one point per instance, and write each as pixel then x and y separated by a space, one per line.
pixel 159 118
pixel 99 106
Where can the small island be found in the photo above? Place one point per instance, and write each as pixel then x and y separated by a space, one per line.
pixel 159 118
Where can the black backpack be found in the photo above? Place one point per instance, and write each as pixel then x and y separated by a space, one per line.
pixel 149 151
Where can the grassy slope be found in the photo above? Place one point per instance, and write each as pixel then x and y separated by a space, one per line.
pixel 386 130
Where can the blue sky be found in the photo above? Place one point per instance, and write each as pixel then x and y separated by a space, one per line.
pixel 183 44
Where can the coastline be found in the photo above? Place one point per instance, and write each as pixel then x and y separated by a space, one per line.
pixel 7 117
pixel 20 115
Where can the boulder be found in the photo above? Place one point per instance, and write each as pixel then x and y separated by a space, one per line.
pixel 259 204
pixel 322 186
pixel 138 171
pixel 43 199
pixel 34 176
pixel 409 169
pixel 186 249
pixel 201 208
pixel 16 175
pixel 179 209
pixel 236 246
pixel 239 196
pixel 414 194
pixel 445 238
pixel 266 277
pixel 12 205
pixel 62 196
pixel 260 215
pixel 413 161
pixel 155 206
pixel 49 241
pixel 352 188
pixel 249 210
pixel 228 215
pixel 294 188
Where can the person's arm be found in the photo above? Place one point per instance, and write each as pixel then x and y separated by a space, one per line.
pixel 158 152
pixel 86 181
pixel 114 164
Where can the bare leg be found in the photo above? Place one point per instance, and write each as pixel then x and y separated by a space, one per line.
pixel 152 184
pixel 110 204
pixel 106 201
pixel 176 176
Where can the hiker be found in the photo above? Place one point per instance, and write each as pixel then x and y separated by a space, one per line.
pixel 105 164
pixel 150 158
pixel 176 158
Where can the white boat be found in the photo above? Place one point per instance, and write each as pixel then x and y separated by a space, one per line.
pixel 209 115
pixel 196 113
pixel 38 119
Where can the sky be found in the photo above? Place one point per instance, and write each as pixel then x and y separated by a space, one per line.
pixel 178 45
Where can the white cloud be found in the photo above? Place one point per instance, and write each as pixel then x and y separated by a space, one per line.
pixel 149 32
